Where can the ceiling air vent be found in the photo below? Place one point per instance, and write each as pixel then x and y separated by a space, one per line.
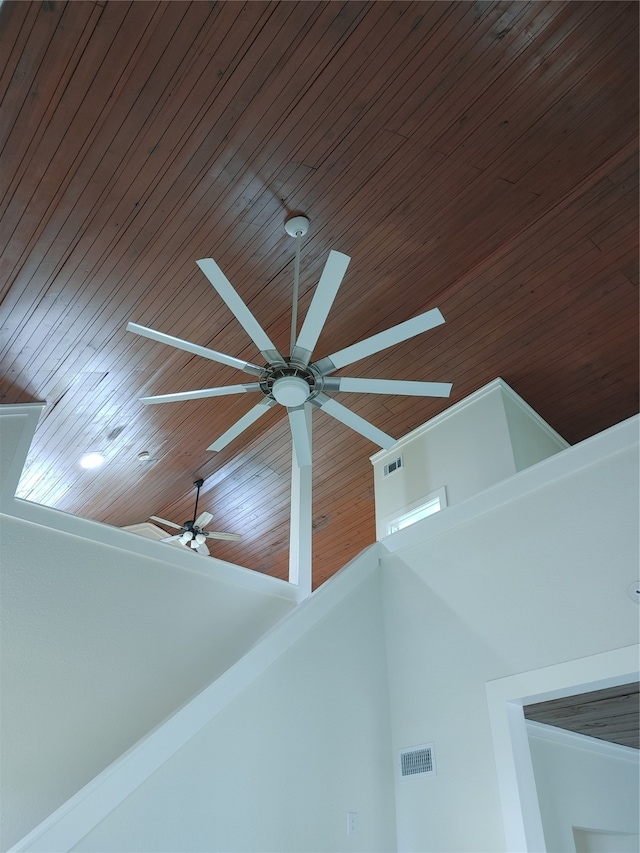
pixel 390 467
pixel 417 761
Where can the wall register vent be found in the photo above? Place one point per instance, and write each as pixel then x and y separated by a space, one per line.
pixel 417 761
pixel 392 466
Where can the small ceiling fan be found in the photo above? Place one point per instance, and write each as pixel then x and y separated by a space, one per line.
pixel 193 533
pixel 296 380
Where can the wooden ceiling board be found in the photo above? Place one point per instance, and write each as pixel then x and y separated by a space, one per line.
pixel 610 714
pixel 481 157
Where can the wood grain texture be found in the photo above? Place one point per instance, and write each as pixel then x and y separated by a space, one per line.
pixel 611 714
pixel 479 157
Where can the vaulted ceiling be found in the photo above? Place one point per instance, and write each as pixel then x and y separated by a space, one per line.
pixel 479 157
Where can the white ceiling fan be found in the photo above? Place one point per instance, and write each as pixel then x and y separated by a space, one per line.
pixel 296 380
pixel 193 534
pixel 300 384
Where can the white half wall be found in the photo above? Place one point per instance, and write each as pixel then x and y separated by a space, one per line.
pixel 98 647
pixel 481 440
pixel 281 765
pixel 531 573
pixel 100 643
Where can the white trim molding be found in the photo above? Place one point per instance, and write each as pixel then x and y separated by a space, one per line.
pixel 554 734
pixel 506 698
pixel 498 383
pixel 17 427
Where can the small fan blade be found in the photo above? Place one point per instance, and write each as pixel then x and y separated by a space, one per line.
pixel 326 291
pixel 341 413
pixel 164 521
pixel 301 433
pixel 389 386
pixel 171 538
pixel 237 307
pixel 187 346
pixel 244 423
pixel 231 537
pixel 201 393
pixel 203 519
pixel 202 549
pixel 383 340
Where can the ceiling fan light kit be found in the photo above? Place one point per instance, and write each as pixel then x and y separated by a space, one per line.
pixel 194 536
pixel 290 391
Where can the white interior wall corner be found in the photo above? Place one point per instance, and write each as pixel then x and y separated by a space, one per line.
pixel 18 424
pixel 514 580
pixel 293 687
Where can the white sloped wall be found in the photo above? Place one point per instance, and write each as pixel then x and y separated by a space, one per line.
pixel 532 573
pixel 281 765
pixel 98 647
pixel 100 640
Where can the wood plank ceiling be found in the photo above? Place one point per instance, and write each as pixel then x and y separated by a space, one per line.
pixel 480 157
pixel 609 714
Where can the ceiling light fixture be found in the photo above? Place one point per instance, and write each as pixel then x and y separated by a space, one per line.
pixel 193 535
pixel 92 460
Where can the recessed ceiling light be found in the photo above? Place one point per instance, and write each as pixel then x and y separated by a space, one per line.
pixel 92 460
pixel 145 456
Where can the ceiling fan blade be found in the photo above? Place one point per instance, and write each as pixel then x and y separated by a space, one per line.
pixel 202 549
pixel 171 538
pixel 389 386
pixel 203 519
pixel 376 343
pixel 164 521
pixel 201 393
pixel 231 537
pixel 301 434
pixel 237 307
pixel 326 291
pixel 346 416
pixel 195 349
pixel 244 423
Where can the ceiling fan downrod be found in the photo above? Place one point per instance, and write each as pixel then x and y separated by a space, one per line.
pixel 198 484
pixel 296 226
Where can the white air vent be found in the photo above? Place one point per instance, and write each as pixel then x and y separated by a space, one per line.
pixel 395 465
pixel 417 761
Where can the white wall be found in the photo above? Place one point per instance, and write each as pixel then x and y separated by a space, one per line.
pixel 583 783
pixel 532 581
pixel 279 768
pixel 532 439
pixel 531 573
pixel 98 646
pixel 465 449
pixel 485 438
